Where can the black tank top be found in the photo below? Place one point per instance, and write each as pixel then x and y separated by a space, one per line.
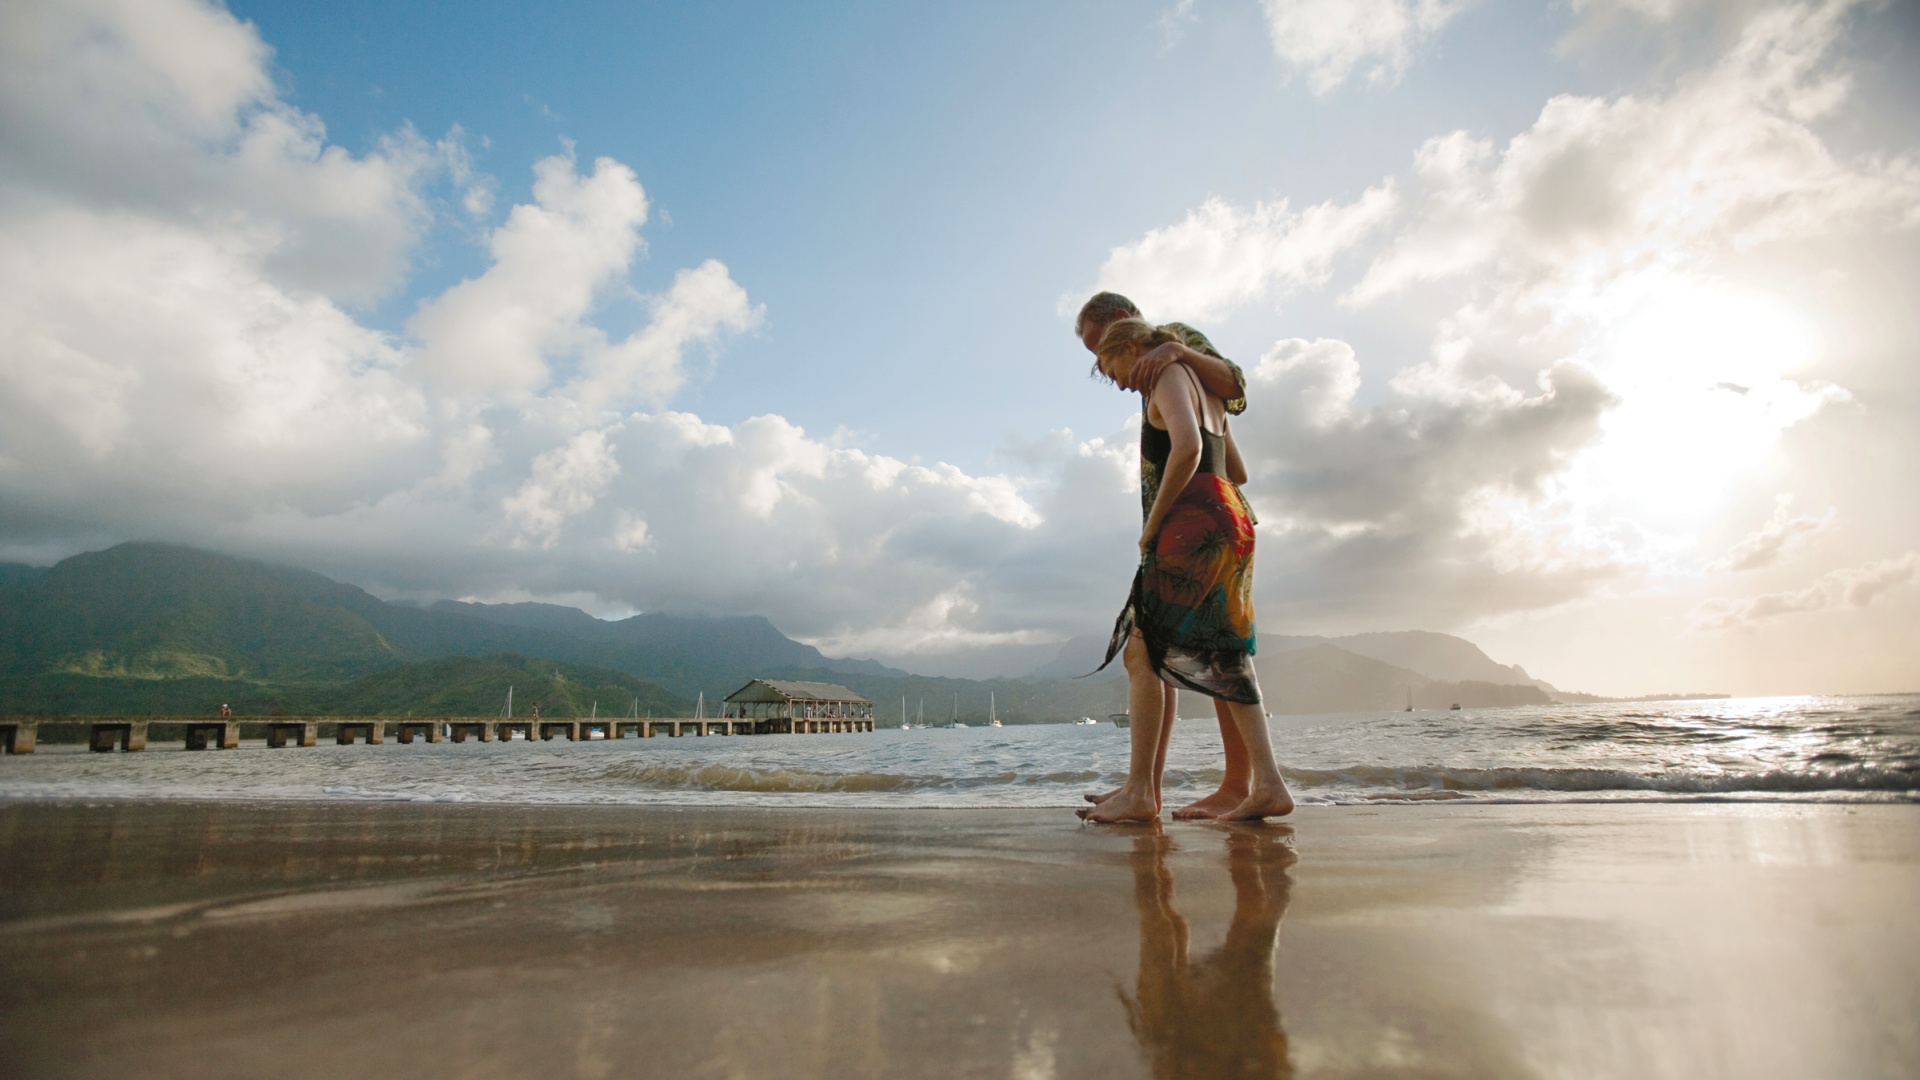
pixel 1156 446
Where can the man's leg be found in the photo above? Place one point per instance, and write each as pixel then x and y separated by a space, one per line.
pixel 1234 781
pixel 1268 795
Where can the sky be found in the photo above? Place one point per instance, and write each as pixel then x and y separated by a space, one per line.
pixel 1584 330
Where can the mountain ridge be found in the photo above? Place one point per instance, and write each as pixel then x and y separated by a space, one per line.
pixel 144 622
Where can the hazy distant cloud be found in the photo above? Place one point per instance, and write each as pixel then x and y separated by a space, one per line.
pixel 1782 535
pixel 1327 39
pixel 1174 20
pixel 1222 256
pixel 1853 587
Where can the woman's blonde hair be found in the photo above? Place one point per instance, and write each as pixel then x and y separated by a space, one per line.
pixel 1123 333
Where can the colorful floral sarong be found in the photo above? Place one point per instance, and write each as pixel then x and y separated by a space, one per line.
pixel 1192 597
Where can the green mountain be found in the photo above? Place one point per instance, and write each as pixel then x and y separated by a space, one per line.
pixel 447 686
pixel 157 628
pixel 477 686
pixel 144 611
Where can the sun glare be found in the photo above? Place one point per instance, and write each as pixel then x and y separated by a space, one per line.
pixel 1703 375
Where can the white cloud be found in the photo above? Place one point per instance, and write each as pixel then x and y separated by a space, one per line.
pixel 1327 39
pixel 647 365
pixel 182 254
pixel 1173 22
pixel 1222 256
pixel 1597 190
pixel 565 482
pixel 1851 587
pixel 165 109
pixel 1781 536
pixel 1596 251
pixel 1439 504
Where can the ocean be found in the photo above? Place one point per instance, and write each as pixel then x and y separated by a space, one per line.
pixel 1778 749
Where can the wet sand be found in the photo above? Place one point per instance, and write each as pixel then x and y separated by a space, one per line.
pixel 327 940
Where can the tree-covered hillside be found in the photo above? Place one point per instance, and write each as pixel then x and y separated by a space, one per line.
pixel 149 628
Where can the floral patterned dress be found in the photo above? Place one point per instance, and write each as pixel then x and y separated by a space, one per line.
pixel 1192 598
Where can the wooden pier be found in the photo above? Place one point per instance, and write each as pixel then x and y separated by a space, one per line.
pixel 20 734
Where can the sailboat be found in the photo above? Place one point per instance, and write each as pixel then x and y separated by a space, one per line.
pixel 953 718
pixel 506 713
pixel 700 707
pixel 993 717
pixel 920 714
pixel 1409 699
pixel 903 713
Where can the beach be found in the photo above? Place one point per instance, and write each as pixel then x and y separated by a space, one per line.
pixel 214 939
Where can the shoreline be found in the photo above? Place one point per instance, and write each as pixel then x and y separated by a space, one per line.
pixel 297 939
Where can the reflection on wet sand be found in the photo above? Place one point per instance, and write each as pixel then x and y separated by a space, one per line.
pixel 1215 1016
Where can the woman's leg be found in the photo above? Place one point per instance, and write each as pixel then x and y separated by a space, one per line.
pixel 1234 782
pixel 1169 712
pixel 1268 795
pixel 1139 798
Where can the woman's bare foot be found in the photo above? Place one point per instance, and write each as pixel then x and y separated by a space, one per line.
pixel 1212 806
pixel 1098 799
pixel 1123 806
pixel 1261 803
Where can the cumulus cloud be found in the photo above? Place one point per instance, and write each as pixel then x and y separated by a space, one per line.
pixel 1435 503
pixel 1222 256
pixel 1597 190
pixel 182 255
pixel 565 481
pixel 1327 39
pixel 524 324
pixel 1851 587
pixel 1596 251
pixel 1781 536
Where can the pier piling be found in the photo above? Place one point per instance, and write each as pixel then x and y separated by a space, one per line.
pixel 105 734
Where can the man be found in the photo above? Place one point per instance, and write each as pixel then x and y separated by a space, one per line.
pixel 1222 378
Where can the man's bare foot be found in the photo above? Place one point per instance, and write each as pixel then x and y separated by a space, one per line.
pixel 1212 806
pixel 1123 806
pixel 1261 803
pixel 1098 799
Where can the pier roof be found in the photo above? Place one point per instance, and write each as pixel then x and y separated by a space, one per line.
pixel 780 690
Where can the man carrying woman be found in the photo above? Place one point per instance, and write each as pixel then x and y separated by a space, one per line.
pixel 1188 622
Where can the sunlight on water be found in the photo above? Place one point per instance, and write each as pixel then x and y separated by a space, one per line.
pixel 1803 748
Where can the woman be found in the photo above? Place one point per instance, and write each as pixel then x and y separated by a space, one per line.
pixel 1188 622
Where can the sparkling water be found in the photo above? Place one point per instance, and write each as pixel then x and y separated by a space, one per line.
pixel 1767 749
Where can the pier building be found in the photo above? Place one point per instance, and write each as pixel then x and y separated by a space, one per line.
pixel 801 708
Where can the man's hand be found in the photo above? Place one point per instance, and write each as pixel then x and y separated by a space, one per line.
pixel 1215 374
